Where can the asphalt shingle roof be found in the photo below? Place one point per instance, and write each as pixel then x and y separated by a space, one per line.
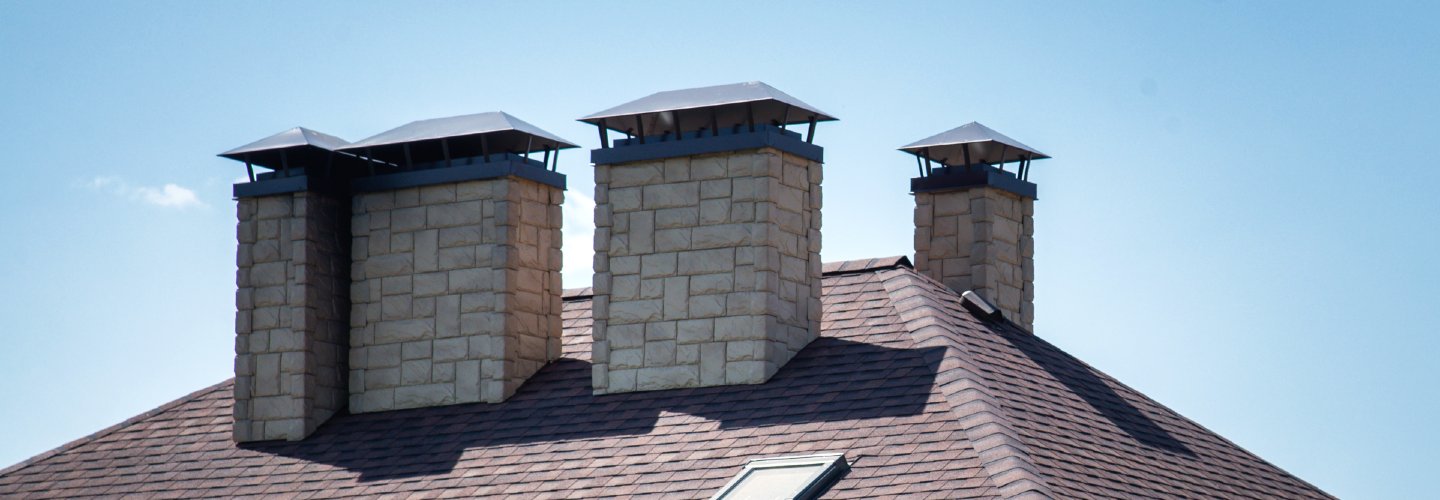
pixel 923 398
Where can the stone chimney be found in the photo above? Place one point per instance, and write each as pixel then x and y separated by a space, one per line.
pixel 707 239
pixel 293 262
pixel 455 262
pixel 419 267
pixel 974 220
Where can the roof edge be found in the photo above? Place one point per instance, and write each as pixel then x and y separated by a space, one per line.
pixel 926 306
pixel 92 437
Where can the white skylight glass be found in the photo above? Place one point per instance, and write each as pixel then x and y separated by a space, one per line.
pixel 786 478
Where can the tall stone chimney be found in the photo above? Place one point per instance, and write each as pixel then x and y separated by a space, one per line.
pixel 455 262
pixel 974 220
pixel 293 263
pixel 707 239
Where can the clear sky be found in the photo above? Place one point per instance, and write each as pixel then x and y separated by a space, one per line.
pixel 1239 219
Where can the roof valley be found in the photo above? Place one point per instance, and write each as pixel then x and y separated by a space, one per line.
pixel 1004 455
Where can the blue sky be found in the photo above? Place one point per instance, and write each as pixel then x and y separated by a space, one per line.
pixel 1239 219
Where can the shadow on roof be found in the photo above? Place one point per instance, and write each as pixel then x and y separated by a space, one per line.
pixel 831 380
pixel 1082 381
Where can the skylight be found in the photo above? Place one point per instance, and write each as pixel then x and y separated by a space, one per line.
pixel 800 478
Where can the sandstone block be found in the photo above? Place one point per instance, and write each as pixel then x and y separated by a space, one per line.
pixel 404 330
pixel 424 395
pixel 712 363
pixel 667 378
pixel 682 194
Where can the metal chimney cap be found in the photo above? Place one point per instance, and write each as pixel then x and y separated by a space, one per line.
pixel 732 104
pixel 464 126
pixel 984 145
pixel 300 143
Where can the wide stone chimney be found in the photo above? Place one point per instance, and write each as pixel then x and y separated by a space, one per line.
pixel 293 263
pixel 455 262
pixel 707 239
pixel 974 220
pixel 419 267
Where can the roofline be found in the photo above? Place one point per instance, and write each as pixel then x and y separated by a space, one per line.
pixel 92 437
pixel 830 269
pixel 921 302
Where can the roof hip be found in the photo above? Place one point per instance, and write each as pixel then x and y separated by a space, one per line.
pixel 926 310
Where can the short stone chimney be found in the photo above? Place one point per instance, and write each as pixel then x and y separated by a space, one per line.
pixel 455 262
pixel 707 239
pixel 974 220
pixel 293 263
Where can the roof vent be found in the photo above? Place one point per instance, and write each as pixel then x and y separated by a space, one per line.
pixel 978 305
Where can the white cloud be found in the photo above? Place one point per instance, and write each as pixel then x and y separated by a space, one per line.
pixel 167 196
pixel 579 235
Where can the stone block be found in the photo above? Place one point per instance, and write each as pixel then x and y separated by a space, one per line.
pixel 636 174
pixel 683 194
pixel 695 331
pixel 625 199
pixel 415 372
pixel 707 261
pixel 712 363
pixel 655 378
pixel 626 336
pixel 682 217
pixel 671 240
pixel 659 353
pixel 718 236
pixel 389 265
pixel 627 358
pixel 658 265
pixel 424 395
pixel 404 330
pixel 745 372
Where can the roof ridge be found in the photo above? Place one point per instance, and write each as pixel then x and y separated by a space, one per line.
pixel 865 265
pixel 1003 452
pixel 92 437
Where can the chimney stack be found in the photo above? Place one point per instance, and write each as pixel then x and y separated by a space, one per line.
pixel 707 239
pixel 293 263
pixel 974 220
pixel 455 262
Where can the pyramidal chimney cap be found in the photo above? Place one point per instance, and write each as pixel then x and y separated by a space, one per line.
pixel 972 144
pixel 458 136
pixel 727 105
pixel 298 145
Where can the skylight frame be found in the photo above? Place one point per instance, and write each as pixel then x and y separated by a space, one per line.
pixel 829 467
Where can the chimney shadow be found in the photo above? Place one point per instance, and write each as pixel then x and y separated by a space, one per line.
pixel 830 380
pixel 1083 382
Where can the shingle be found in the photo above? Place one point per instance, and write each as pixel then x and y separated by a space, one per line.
pixel 869 387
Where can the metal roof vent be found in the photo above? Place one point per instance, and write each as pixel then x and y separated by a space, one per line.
pixel 978 305
pixel 706 119
pixel 468 147
pixel 299 159
pixel 972 154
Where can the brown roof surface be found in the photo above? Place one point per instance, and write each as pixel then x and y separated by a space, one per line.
pixel 925 400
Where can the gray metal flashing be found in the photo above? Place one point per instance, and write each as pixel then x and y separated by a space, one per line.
pixel 950 178
pixel 972 144
pixel 458 126
pixel 510 167
pixel 631 150
pixel 298 136
pixel 705 97
pixel 272 186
